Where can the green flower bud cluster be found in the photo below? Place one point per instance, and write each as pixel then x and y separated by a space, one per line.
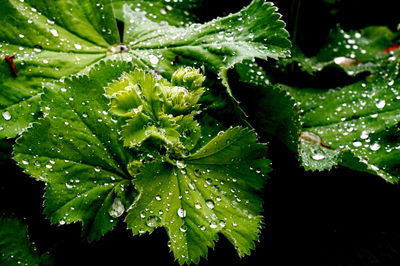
pixel 156 108
pixel 184 92
pixel 188 77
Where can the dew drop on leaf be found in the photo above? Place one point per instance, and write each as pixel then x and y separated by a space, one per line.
pixel 222 224
pixel 210 204
pixel 381 104
pixel 213 225
pixel 54 32
pixel 153 59
pixel 375 147
pixel 181 213
pixel 153 221
pixel 117 209
pixel 318 156
pixel 357 143
pixel 6 115
pixel 183 228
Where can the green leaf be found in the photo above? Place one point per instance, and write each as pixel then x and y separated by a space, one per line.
pixel 15 245
pixel 270 109
pixel 52 40
pixel 353 51
pixel 255 31
pixel 360 120
pixel 211 191
pixel 176 13
pixel 49 40
pixel 77 151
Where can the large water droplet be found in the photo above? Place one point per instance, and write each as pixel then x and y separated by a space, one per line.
pixel 375 147
pixel 6 115
pixel 181 213
pixel 213 225
pixel 183 228
pixel 117 209
pixel 318 156
pixel 357 143
pixel 381 104
pixel 54 32
pixel 153 221
pixel 210 204
pixel 153 59
pixel 364 134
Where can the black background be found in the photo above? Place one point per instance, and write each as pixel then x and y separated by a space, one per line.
pixel 340 217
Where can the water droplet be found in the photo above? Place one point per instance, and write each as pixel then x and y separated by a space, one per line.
pixel 191 186
pixel 78 46
pixel 97 169
pixel 153 221
pixel 54 32
pixel 198 206
pixel 6 115
pixel 381 104
pixel 364 134
pixel 213 225
pixel 318 156
pixel 181 213
pixel 153 59
pixel 158 198
pixel 222 224
pixel 180 165
pixel 183 228
pixel 210 204
pixel 117 209
pixel 375 147
pixel 357 143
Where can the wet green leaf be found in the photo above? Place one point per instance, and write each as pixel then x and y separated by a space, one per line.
pixel 255 31
pixel 76 150
pixel 176 13
pixel 354 51
pixel 15 246
pixel 53 40
pixel 196 197
pixel 360 119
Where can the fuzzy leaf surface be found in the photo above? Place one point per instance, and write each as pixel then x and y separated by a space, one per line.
pixel 51 40
pixel 360 119
pixel 212 191
pixel 76 150
pixel 255 31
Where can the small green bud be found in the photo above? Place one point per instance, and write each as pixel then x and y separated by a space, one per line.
pixel 188 77
pixel 178 99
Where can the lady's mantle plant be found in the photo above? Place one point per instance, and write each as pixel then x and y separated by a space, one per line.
pixel 160 174
pixel 110 109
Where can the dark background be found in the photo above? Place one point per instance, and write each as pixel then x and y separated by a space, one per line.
pixel 340 217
